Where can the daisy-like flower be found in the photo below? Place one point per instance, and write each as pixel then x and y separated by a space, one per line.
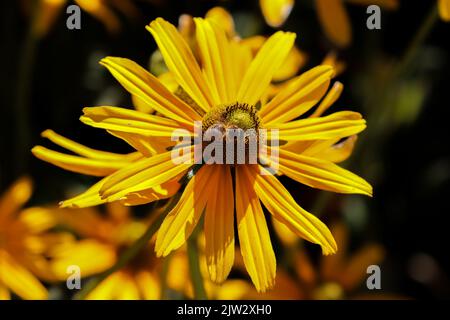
pixel 225 92
pixel 444 9
pixel 25 240
pixel 103 237
pixel 332 15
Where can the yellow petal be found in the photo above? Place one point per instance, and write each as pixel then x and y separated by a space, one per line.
pixel 4 292
pixel 181 62
pixel 100 11
pixel 38 219
pixel 254 238
pixel 139 82
pixel 90 255
pixel 335 21
pixel 91 197
pixel 182 219
pixel 216 57
pixel 284 208
pixel 141 106
pixel 164 191
pixel 130 121
pixel 295 60
pixel 321 174
pixel 15 197
pixel 222 18
pixel 147 146
pixel 276 11
pixel 148 285
pixel 109 289
pixel 330 150
pixel 144 174
pixel 337 125
pixel 219 226
pixel 83 150
pixel 20 280
pixel 444 9
pixel 331 97
pixel 286 236
pixel 331 267
pixel 298 97
pixel 94 167
pixel 261 70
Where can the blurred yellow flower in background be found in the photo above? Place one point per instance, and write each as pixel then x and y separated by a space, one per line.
pixel 332 15
pixel 444 9
pixel 240 85
pixel 103 237
pixel 25 240
pixel 48 11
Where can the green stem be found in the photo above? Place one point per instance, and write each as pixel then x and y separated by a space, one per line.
pixel 420 36
pixel 194 268
pixel 130 253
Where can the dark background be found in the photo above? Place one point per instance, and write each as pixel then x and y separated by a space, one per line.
pixel 407 159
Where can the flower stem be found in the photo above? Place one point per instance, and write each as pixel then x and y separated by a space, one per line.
pixel 130 253
pixel 194 268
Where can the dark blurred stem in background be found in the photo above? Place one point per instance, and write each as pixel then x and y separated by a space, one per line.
pixel 23 94
pixel 194 267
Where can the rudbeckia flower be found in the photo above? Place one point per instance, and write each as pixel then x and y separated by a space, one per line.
pixel 25 240
pixel 226 91
pixel 444 9
pixel 332 15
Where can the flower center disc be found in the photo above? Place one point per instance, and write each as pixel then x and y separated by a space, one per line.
pixel 232 130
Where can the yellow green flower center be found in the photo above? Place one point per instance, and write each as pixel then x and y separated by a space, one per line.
pixel 233 116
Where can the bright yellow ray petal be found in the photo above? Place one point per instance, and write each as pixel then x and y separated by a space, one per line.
pixel 139 82
pixel 147 146
pixel 215 52
pixel 298 97
pixel 93 167
pixel 20 280
pixel 182 219
pixel 335 21
pixel 276 11
pixel 108 289
pixel 181 62
pixel 83 150
pixel 321 174
pixel 337 125
pixel 222 18
pixel 130 121
pixel 330 150
pixel 145 174
pixel 261 70
pixel 295 60
pixel 444 9
pixel 254 238
pixel 164 191
pixel 219 226
pixel 91 197
pixel 331 97
pixel 38 219
pixel 284 208
pixel 15 197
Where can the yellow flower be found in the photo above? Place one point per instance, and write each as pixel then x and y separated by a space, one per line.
pixel 229 82
pixel 48 12
pixel 24 242
pixel 100 164
pixel 332 15
pixel 444 9
pixel 102 239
